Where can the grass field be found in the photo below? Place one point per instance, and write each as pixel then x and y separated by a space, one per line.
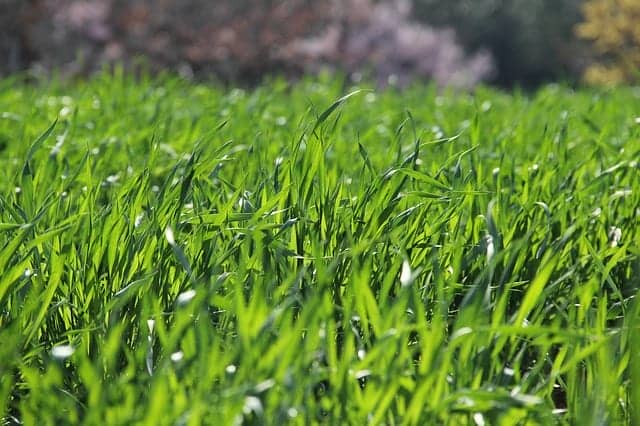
pixel 173 253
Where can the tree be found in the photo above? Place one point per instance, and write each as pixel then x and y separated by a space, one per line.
pixel 244 40
pixel 613 28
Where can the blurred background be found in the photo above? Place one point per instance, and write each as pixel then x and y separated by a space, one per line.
pixel 461 43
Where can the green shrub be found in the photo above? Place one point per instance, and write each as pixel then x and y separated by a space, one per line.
pixel 531 40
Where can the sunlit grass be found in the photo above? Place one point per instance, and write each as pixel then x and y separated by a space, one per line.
pixel 174 253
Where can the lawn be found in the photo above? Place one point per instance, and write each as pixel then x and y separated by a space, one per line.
pixel 180 253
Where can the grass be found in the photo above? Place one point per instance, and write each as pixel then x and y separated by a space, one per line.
pixel 174 253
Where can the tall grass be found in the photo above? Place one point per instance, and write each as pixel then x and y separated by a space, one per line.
pixel 175 253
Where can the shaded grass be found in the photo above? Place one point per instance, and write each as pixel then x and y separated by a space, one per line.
pixel 386 258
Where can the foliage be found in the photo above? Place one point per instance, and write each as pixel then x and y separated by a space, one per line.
pixel 613 27
pixel 531 40
pixel 242 40
pixel 13 47
pixel 174 253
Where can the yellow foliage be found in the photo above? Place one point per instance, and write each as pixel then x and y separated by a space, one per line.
pixel 613 26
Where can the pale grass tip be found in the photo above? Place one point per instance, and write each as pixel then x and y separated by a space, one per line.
pixel 168 234
pixel 508 371
pixel 491 250
pixel 361 374
pixel 177 356
pixel 62 351
pixel 113 178
pixel 138 220
pixel 406 276
pixel 65 112
pixel 463 331
pixel 265 385
pixel 186 296
pixel 151 324
pixel 478 419
pixel 252 404
pixel 621 193
pixel 615 235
